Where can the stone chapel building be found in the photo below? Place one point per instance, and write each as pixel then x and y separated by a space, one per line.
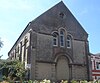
pixel 54 46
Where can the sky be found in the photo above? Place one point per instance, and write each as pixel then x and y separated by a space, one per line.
pixel 16 14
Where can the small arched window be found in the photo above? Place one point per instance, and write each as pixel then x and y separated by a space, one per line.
pixel 69 41
pixel 55 39
pixel 62 38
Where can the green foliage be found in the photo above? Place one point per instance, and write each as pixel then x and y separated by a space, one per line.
pixel 42 81
pixel 1 43
pixel 15 70
pixel 4 77
pixel 30 81
pixel 45 81
pixel 73 81
pixel 48 81
pixel 84 81
pixel 64 81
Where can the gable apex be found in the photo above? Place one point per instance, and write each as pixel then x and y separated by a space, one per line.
pixel 51 20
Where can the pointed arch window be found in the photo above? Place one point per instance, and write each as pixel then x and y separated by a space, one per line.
pixel 62 38
pixel 55 39
pixel 69 41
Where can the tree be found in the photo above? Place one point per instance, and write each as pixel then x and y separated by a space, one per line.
pixel 14 70
pixel 1 43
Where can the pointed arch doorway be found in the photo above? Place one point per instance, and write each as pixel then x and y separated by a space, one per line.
pixel 62 68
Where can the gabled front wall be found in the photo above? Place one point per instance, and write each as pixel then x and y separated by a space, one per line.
pixel 47 54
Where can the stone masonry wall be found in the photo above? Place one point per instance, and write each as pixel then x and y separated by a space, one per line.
pixel 79 51
pixel 44 47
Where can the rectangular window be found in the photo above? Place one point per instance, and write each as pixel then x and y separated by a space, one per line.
pixel 54 42
pixel 98 65
pixel 68 44
pixel 55 39
pixel 62 40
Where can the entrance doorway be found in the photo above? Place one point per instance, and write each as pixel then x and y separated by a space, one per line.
pixel 62 68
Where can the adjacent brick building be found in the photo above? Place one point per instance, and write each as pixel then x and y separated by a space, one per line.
pixel 54 46
pixel 95 59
